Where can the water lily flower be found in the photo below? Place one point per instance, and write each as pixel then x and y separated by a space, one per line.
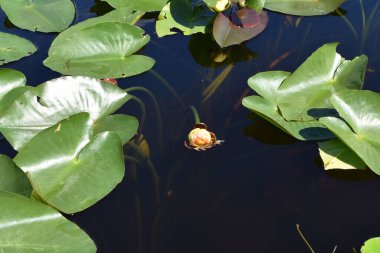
pixel 201 139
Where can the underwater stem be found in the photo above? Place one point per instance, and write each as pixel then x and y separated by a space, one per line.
pixel 143 113
pixel 195 114
pixel 304 239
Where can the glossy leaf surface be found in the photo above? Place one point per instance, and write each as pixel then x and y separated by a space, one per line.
pixel 13 48
pixel 243 25
pixel 359 127
pixel 50 102
pixel 70 169
pixel 123 15
pixel 32 227
pixel 371 246
pixel 303 8
pixel 140 5
pixel 40 15
pixel 12 178
pixel 305 94
pixel 10 79
pixel 104 50
pixel 257 5
pixel 336 155
pixel 266 84
pixel 180 14
pixel 124 125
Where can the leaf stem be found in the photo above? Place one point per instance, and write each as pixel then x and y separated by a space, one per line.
pixel 304 239
pixel 143 114
pixel 195 114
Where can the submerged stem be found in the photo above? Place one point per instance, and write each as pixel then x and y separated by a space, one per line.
pixel 143 113
pixel 195 114
pixel 158 112
pixel 304 239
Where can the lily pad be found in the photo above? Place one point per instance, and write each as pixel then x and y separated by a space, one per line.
pixel 359 127
pixel 266 84
pixel 103 50
pixel 40 15
pixel 371 246
pixel 10 79
pixel 181 15
pixel 69 168
pixel 13 48
pixel 12 178
pixel 336 155
pixel 303 8
pixel 305 94
pixel 124 125
pixel 50 102
pixel 29 226
pixel 257 5
pixel 141 5
pixel 123 15
pixel 244 25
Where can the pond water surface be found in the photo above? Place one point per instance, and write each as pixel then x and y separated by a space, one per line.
pixel 248 194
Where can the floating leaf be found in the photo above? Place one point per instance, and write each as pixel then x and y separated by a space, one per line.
pixel 305 94
pixel 50 102
pixel 124 125
pixel 266 84
pixel 303 8
pixel 40 15
pixel 140 5
pixel 13 48
pixel 360 129
pixel 243 25
pixel 12 178
pixel 70 169
pixel 256 5
pixel 371 246
pixel 180 14
pixel 336 155
pixel 104 50
pixel 32 227
pixel 123 15
pixel 10 79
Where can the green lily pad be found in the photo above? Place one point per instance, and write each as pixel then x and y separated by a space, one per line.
pixel 10 79
pixel 141 5
pixel 303 8
pixel 103 50
pixel 40 15
pixel 12 178
pixel 371 246
pixel 266 84
pixel 50 102
pixel 69 168
pixel 336 155
pixel 182 15
pixel 32 227
pixel 257 5
pixel 359 127
pixel 124 125
pixel 13 48
pixel 305 94
pixel 123 15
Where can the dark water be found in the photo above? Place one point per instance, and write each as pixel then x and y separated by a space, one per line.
pixel 248 194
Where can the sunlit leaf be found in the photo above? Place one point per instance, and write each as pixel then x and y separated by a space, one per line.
pixel 359 127
pixel 40 15
pixel 13 48
pixel 305 94
pixel 104 50
pixel 371 246
pixel 69 168
pixel 50 102
pixel 243 25
pixel 122 15
pixel 12 178
pixel 31 227
pixel 303 8
pixel 266 84
pixel 140 5
pixel 336 155
pixel 10 79
pixel 181 15
pixel 124 125
pixel 257 5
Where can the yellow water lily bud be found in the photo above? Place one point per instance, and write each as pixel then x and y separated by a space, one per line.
pixel 199 137
pixel 242 3
pixel 221 5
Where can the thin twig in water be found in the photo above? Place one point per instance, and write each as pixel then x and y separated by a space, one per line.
pixel 304 239
pixel 336 246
